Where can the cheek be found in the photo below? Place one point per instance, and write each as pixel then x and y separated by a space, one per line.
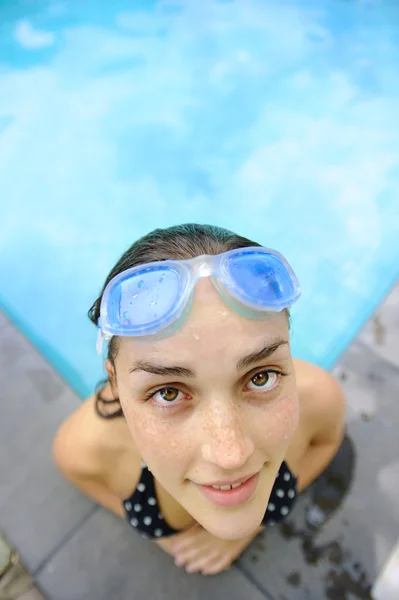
pixel 280 422
pixel 155 436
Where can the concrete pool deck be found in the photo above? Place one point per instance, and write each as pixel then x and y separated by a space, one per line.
pixel 75 550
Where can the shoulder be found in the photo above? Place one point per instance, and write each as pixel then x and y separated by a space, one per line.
pixel 85 444
pixel 322 402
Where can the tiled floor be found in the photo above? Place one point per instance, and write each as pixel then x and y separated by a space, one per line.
pixel 77 551
pixel 15 582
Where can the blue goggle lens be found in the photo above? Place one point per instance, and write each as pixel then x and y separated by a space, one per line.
pixel 145 299
pixel 260 278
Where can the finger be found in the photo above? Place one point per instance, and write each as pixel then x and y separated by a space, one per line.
pixel 191 554
pixel 202 563
pixel 223 564
pixel 197 540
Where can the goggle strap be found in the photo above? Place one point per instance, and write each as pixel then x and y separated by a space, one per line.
pixel 99 343
pixel 101 336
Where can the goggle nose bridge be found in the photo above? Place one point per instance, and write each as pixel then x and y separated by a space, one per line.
pixel 202 266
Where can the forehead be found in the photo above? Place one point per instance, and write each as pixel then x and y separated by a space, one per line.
pixel 212 328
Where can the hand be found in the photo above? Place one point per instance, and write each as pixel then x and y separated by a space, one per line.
pixel 200 551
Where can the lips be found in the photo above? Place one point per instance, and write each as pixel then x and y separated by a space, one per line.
pixel 226 486
pixel 230 482
pixel 230 494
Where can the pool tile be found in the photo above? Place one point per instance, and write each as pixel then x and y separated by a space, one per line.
pixel 381 332
pixel 106 559
pixel 38 508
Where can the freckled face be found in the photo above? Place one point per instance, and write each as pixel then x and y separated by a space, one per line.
pixel 216 418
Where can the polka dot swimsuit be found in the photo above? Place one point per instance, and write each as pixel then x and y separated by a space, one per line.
pixel 143 512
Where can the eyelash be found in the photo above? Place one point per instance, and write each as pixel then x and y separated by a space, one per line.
pixel 281 374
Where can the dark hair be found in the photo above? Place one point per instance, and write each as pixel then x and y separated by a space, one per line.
pixel 178 242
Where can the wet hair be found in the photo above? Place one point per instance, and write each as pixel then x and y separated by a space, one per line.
pixel 173 243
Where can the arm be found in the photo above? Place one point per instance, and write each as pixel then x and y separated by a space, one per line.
pixel 326 419
pixel 80 463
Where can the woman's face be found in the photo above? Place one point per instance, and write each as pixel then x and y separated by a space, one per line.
pixel 208 405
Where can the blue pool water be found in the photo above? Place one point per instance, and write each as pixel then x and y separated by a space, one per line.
pixel 276 119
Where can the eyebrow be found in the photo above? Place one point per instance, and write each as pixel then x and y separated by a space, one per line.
pixel 177 371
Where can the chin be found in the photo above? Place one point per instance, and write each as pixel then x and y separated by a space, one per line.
pixel 230 527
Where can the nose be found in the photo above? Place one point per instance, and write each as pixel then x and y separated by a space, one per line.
pixel 226 442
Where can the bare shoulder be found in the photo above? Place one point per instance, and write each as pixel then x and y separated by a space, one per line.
pixel 86 444
pixel 322 401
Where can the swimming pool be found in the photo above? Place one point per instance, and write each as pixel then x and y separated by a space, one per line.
pixel 275 119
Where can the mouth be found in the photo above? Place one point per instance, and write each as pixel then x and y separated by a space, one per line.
pixel 230 494
pixel 225 486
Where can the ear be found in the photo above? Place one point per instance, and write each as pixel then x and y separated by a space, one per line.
pixel 110 372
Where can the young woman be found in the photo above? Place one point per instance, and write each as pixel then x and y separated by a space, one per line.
pixel 207 428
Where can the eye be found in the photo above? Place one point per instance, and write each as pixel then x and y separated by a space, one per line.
pixel 164 397
pixel 265 380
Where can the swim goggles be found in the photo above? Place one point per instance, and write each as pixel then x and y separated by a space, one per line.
pixel 153 299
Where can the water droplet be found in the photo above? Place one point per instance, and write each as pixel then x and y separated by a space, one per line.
pixel 162 278
pixel 140 284
pixel 223 314
pixel 125 315
pixel 133 298
pixel 196 336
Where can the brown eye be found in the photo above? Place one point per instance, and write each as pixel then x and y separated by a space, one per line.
pixel 260 379
pixel 168 394
pixel 166 397
pixel 265 380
